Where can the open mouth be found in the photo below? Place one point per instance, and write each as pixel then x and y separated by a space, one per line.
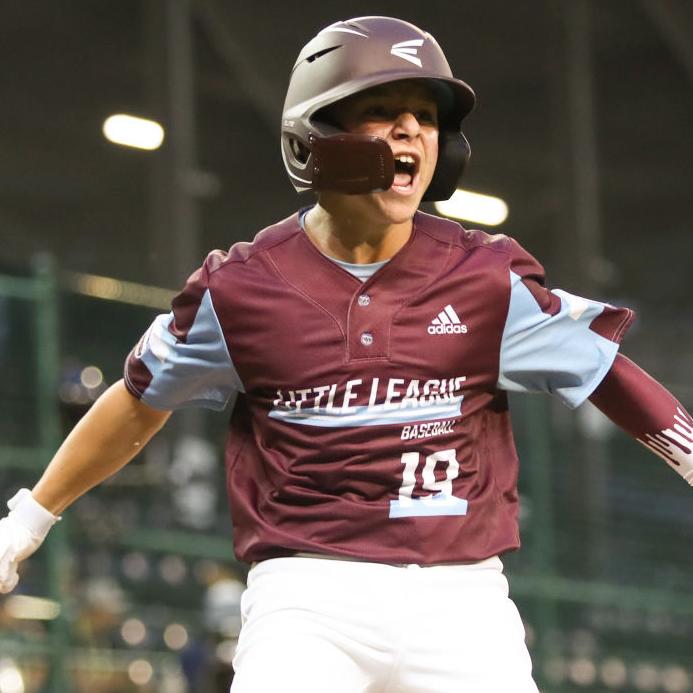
pixel 406 168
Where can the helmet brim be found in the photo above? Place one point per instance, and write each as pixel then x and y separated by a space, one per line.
pixel 455 98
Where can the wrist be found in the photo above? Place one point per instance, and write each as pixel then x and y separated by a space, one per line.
pixel 30 514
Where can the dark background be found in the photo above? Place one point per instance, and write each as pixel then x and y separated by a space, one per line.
pixel 574 98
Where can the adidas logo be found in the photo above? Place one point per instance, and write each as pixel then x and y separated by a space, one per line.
pixel 447 322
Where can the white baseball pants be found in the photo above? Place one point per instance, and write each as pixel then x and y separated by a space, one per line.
pixel 322 625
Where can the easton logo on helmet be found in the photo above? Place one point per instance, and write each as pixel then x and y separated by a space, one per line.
pixel 407 50
pixel 447 322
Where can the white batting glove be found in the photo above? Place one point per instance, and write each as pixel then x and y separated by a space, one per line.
pixel 21 533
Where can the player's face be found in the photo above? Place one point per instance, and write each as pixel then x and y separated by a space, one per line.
pixel 405 115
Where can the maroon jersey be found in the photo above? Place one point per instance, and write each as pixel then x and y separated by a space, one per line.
pixel 371 418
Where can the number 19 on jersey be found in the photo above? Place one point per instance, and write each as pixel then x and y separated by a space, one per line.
pixel 440 501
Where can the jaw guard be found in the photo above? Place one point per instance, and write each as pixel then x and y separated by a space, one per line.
pixel 351 164
pixel 361 164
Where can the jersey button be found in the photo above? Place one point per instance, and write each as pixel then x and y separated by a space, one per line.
pixel 366 339
pixel 364 300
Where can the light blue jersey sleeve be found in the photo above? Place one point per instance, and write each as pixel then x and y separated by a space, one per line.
pixel 169 370
pixel 556 342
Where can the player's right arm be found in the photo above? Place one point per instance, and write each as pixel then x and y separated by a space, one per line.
pixel 112 432
pixel 181 361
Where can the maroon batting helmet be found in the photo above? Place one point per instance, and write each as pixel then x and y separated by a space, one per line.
pixel 351 56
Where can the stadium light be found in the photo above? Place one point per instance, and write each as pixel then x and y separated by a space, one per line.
pixel 111 289
pixel 140 672
pixel 475 207
pixel 11 680
pixel 131 131
pixel 22 606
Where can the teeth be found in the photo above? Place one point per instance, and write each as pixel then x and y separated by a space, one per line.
pixel 405 158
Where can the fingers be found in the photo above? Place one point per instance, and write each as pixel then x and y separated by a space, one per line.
pixel 16 544
pixel 16 499
pixel 9 577
pixel 21 533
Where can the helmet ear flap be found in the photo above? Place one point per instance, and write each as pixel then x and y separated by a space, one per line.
pixel 453 154
pixel 299 150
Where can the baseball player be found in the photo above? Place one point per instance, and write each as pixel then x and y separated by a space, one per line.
pixel 369 347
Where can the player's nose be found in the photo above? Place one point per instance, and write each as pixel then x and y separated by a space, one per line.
pixel 406 125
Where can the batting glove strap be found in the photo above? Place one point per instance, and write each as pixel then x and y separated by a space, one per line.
pixel 27 512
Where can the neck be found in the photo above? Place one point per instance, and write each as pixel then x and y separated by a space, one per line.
pixel 346 234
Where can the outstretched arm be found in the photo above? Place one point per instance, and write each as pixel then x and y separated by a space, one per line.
pixel 649 412
pixel 112 432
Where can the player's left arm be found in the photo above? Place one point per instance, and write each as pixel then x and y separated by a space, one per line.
pixel 636 402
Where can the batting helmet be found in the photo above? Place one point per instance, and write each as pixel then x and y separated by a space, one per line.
pixel 351 56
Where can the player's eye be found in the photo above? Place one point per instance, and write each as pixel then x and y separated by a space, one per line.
pixel 426 116
pixel 376 112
